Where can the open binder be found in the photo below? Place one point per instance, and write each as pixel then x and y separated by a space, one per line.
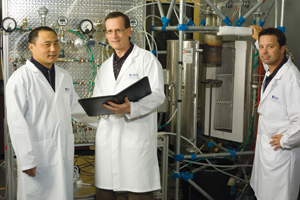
pixel 93 106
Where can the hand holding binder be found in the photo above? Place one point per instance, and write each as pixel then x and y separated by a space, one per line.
pixel 94 106
pixel 123 108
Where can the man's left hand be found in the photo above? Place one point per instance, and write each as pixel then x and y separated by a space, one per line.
pixel 275 141
pixel 255 31
pixel 119 108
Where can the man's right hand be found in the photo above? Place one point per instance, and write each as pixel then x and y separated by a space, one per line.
pixel 256 29
pixel 30 172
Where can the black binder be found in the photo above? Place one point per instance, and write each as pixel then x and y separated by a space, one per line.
pixel 93 106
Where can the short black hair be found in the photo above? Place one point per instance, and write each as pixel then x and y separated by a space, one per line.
pixel 281 39
pixel 118 14
pixel 34 33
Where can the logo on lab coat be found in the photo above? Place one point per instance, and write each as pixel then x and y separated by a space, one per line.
pixel 275 98
pixel 133 75
pixel 67 90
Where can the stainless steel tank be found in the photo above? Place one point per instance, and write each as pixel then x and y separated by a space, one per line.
pixel 212 49
pixel 189 89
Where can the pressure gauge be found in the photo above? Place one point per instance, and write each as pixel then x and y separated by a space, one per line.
pixel 86 26
pixel 62 21
pixel 133 23
pixel 9 24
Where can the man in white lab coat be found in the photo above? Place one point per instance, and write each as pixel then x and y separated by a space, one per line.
pixel 276 174
pixel 40 100
pixel 126 142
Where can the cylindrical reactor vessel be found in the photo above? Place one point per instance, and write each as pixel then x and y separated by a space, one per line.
pixel 189 89
pixel 212 49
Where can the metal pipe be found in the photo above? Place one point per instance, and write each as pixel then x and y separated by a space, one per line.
pixel 200 189
pixel 253 9
pixel 210 104
pixel 241 20
pixel 241 9
pixel 170 9
pixel 190 28
pixel 258 16
pixel 282 13
pixel 171 152
pixel 268 11
pixel 152 22
pixel 243 170
pixel 185 17
pixel 165 168
pixel 162 52
pixel 218 155
pixel 160 8
pixel 8 152
pixel 5 48
pixel 223 17
pixel 225 150
pixel 199 169
pixel 276 13
pixel 215 144
pixel 178 126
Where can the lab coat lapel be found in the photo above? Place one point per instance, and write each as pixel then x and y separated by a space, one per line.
pixel 59 76
pixel 45 86
pixel 273 81
pixel 109 79
pixel 128 62
pixel 268 90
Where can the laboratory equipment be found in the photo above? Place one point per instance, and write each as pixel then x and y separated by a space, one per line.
pixel 231 102
pixel 86 26
pixel 9 24
pixel 189 89
pixel 62 21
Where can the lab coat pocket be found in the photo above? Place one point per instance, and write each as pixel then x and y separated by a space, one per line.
pixel 274 111
pixel 268 153
pixel 41 186
pixel 136 135
pixel 46 153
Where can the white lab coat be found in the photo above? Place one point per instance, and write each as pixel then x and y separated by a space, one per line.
pixel 39 121
pixel 126 145
pixel 276 174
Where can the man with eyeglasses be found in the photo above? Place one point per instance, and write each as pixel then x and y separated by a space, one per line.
pixel 126 142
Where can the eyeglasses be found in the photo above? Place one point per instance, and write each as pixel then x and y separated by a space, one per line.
pixel 118 31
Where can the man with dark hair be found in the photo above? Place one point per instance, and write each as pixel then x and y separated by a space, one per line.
pixel 40 100
pixel 33 35
pixel 126 142
pixel 276 174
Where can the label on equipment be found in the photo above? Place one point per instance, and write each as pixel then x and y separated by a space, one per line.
pixel 188 55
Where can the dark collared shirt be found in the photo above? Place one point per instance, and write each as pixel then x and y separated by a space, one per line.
pixel 118 62
pixel 48 73
pixel 269 78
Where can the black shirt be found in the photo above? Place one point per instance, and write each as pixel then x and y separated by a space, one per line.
pixel 118 62
pixel 48 73
pixel 269 78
